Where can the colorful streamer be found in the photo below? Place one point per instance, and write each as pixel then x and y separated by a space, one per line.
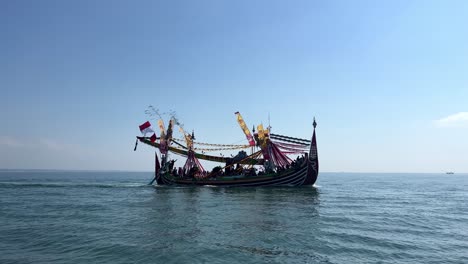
pixel 244 128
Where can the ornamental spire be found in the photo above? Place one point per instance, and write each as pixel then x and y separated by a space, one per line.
pixel 315 123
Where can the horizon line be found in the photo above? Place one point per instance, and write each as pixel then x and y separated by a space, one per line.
pixel 143 171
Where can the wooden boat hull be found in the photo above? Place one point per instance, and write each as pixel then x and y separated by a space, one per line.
pixel 304 175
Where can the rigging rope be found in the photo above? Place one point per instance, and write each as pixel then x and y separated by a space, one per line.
pixel 217 149
pixel 216 145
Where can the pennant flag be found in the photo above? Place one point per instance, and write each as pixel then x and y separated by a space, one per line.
pixel 153 137
pixel 146 128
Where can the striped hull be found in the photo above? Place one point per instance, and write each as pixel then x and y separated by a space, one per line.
pixel 304 175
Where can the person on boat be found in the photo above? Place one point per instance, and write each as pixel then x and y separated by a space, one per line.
pixel 252 172
pixel 193 172
pixel 239 169
pixel 171 164
pixel 218 170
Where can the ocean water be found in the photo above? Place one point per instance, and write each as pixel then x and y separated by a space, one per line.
pixel 114 217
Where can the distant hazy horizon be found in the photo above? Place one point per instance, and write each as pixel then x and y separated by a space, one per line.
pixel 142 171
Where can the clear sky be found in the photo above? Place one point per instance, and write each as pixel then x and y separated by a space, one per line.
pixel 386 80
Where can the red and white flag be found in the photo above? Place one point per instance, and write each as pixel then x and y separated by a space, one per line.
pixel 146 128
pixel 153 137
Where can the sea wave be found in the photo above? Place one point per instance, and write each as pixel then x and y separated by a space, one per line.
pixel 72 185
pixel 349 218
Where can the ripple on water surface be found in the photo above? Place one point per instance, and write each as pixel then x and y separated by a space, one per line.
pixel 78 217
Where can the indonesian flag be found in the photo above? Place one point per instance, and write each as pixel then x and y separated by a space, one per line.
pixel 153 137
pixel 146 128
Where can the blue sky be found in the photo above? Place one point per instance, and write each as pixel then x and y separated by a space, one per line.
pixel 386 80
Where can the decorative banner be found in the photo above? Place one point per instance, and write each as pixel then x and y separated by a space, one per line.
pixel 188 138
pixel 244 128
pixel 278 157
pixel 261 134
pixel 193 166
pixel 291 148
pixel 263 141
pixel 262 137
pixel 169 130
pixel 189 141
pixel 162 139
pixel 290 139
pixel 161 127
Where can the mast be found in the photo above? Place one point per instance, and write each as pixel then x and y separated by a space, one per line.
pixel 269 126
pixel 252 147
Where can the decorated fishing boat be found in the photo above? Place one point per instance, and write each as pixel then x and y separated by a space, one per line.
pixel 274 159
